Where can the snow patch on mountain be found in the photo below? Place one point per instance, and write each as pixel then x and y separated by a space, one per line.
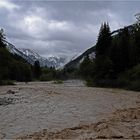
pixel 31 56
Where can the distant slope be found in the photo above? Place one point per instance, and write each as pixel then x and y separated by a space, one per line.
pixel 16 51
pixel 75 63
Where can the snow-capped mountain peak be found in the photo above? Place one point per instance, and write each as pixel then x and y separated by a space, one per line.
pixel 31 56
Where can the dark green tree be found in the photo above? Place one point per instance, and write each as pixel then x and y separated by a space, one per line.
pixel 124 49
pixel 2 37
pixel 87 67
pixel 103 63
pixel 137 42
pixel 104 40
pixel 37 69
pixel 103 69
pixel 5 60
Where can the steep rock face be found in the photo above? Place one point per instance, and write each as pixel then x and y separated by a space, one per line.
pixel 31 56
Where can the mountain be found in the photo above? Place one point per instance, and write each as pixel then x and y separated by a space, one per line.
pixel 74 63
pixel 31 56
pixel 51 61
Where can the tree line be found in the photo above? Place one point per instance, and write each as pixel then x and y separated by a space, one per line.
pixel 117 61
pixel 10 68
pixel 15 68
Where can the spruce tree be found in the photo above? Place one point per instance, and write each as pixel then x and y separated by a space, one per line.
pixel 37 69
pixel 87 67
pixel 2 37
pixel 104 40
pixel 103 63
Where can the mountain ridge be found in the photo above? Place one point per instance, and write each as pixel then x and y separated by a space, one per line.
pixel 31 56
pixel 90 51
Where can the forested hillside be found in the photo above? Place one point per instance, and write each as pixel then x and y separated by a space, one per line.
pixel 12 67
pixel 117 61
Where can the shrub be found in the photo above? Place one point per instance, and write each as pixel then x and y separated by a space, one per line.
pixel 123 80
pixel 135 85
pixel 90 82
pixel 58 82
pixel 6 82
pixel 130 79
pixel 46 77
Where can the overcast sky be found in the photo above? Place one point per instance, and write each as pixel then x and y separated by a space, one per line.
pixel 61 28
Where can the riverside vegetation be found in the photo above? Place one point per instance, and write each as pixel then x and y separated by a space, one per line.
pixel 15 68
pixel 117 61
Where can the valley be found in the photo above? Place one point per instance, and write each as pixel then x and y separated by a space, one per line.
pixel 69 70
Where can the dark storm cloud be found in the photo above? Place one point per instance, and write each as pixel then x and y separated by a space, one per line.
pixel 61 27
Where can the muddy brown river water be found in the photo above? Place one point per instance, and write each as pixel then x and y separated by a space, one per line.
pixel 68 111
